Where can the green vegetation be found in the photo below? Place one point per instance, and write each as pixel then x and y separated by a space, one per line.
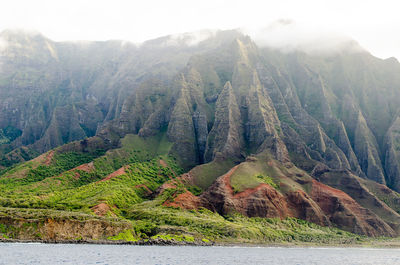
pixel 340 111
pixel 15 156
pixel 36 177
pixel 389 197
pixel 57 185
pixel 194 190
pixel 121 191
pixel 206 174
pixel 146 148
pixel 126 235
pixel 3 138
pixel 70 191
pixel 268 180
pixel 178 238
pixel 263 169
pixel 69 186
pixel 61 162
pixel 203 223
pixel 9 134
pixel 37 191
pixel 149 221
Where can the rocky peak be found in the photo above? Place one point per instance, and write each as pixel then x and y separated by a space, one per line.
pixel 226 136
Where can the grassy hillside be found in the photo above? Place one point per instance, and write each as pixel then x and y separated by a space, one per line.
pixel 115 189
pixel 236 228
pixel 263 169
pixel 73 180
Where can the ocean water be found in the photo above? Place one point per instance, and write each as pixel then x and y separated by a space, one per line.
pixel 50 254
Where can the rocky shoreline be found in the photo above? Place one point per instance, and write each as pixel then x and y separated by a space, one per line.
pixel 162 242
pixel 143 242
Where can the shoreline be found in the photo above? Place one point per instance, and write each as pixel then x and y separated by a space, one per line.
pixel 152 242
pixel 374 245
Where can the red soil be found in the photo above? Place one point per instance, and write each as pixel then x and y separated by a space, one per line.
pixel 101 209
pixel 49 157
pixel 168 186
pixel 263 200
pixel 248 192
pixel 318 186
pixel 162 163
pixel 227 178
pixel 343 210
pixel 328 197
pixel 45 158
pixel 85 167
pixel 185 200
pixel 324 205
pixel 117 173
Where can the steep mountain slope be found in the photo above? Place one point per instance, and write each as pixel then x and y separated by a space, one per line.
pixel 321 108
pixel 258 132
pixel 53 93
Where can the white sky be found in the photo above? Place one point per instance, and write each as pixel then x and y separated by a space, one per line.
pixel 374 24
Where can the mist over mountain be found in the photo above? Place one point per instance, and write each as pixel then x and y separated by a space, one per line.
pixel 265 125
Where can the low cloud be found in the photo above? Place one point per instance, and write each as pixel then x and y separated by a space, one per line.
pixel 288 36
pixel 189 38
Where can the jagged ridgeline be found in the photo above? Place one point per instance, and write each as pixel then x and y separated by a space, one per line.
pixel 221 124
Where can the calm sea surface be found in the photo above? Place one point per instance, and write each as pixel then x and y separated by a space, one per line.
pixel 50 254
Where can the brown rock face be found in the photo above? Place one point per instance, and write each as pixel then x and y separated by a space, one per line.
pixel 371 195
pixel 263 201
pixel 60 229
pixel 302 206
pixel 346 213
pixel 324 206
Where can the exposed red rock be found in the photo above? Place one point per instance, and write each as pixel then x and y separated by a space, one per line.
pixel 360 190
pixel 101 209
pixel 85 167
pixel 263 201
pixel 162 163
pixel 345 212
pixel 116 173
pixel 303 207
pixel 49 157
pixel 184 200
pixel 45 158
pixel 324 206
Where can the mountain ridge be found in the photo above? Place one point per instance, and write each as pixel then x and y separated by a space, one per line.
pixel 310 131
